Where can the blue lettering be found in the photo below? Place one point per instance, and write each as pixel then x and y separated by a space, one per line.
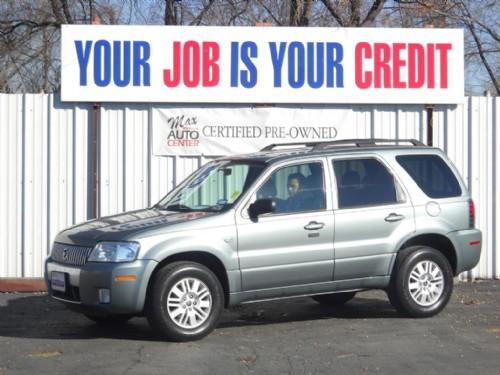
pixel 102 63
pixel 142 52
pixel 119 62
pixel 248 77
pixel 334 68
pixel 83 55
pixel 234 64
pixel 277 58
pixel 296 65
pixel 315 82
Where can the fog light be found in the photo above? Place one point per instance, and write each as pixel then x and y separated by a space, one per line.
pixel 104 296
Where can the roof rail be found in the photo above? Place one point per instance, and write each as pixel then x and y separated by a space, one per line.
pixel 366 142
pixel 272 146
pixel 359 142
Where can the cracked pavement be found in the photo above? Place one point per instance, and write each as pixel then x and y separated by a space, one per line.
pixel 295 336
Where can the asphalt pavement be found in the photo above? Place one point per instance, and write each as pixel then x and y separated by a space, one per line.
pixel 296 336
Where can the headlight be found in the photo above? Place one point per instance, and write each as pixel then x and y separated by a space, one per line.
pixel 114 252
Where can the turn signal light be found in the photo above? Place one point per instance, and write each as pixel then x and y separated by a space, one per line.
pixel 126 278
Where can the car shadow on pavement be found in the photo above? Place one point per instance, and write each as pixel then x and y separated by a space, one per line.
pixel 38 316
pixel 306 309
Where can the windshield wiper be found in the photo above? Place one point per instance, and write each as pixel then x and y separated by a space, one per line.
pixel 177 207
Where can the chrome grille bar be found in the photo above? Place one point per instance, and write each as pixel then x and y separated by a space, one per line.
pixel 70 254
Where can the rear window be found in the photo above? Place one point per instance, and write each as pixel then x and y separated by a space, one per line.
pixel 431 174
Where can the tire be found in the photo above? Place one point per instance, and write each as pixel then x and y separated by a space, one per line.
pixel 334 299
pixel 421 282
pixel 109 320
pixel 185 302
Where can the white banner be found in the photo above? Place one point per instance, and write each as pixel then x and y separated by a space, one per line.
pixel 261 64
pixel 226 131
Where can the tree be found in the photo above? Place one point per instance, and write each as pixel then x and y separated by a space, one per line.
pixel 480 23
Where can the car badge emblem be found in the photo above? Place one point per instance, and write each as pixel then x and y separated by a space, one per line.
pixel 65 254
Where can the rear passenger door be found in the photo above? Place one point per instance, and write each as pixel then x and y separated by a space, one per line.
pixel 372 213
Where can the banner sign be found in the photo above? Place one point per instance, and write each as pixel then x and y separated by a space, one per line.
pixel 229 131
pixel 185 64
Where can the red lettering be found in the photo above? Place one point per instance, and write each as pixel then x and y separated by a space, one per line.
pixel 363 79
pixel 183 142
pixel 191 63
pixel 194 64
pixel 443 49
pixel 430 65
pixel 210 66
pixel 416 65
pixel 171 78
pixel 388 62
pixel 381 68
pixel 398 63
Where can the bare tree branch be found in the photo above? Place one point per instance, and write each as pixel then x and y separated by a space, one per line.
pixel 237 13
pixel 199 17
pixel 479 45
pixel 374 11
pixel 355 13
pixel 333 12
pixel 67 14
pixel 275 19
pixel 7 27
pixel 467 19
pixel 56 11
pixel 170 15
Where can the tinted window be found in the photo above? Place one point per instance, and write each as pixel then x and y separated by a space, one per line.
pixel 364 182
pixel 431 174
pixel 296 188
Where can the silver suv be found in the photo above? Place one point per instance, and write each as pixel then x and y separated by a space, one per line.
pixel 325 220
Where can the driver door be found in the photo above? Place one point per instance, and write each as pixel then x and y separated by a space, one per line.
pixel 290 246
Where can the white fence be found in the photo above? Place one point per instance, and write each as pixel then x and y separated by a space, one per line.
pixel 46 165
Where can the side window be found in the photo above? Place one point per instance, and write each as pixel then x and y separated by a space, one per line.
pixel 296 188
pixel 365 182
pixel 431 174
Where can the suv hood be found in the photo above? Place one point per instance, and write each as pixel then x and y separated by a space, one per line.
pixel 122 227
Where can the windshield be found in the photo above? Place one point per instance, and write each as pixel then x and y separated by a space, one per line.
pixel 215 187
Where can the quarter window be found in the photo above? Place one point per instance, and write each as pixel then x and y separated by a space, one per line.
pixel 431 174
pixel 365 182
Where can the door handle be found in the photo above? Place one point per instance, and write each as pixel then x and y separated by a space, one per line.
pixel 394 217
pixel 314 225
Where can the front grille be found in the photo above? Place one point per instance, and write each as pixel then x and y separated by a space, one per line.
pixel 70 254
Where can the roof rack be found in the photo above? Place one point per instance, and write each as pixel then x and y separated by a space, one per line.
pixel 365 142
pixel 272 146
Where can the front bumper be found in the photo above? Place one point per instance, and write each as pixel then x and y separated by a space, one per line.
pixel 83 284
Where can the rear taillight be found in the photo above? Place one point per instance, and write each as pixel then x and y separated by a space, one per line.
pixel 472 214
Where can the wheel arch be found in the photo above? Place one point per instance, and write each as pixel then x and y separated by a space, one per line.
pixel 212 262
pixel 435 240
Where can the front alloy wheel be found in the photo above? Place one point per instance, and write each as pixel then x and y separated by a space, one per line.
pixel 189 303
pixel 185 301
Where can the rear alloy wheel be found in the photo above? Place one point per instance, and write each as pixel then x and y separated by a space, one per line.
pixel 186 301
pixel 334 299
pixel 422 282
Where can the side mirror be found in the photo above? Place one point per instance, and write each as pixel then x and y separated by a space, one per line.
pixel 260 207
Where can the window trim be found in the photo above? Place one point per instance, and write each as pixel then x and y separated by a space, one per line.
pixel 384 163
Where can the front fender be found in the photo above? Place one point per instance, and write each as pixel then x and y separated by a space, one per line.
pixel 220 242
